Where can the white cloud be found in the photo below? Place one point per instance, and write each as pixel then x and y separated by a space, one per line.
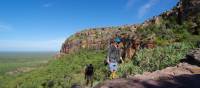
pixel 46 5
pixel 145 8
pixel 28 45
pixel 5 28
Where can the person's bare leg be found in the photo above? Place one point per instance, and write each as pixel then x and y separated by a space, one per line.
pixel 87 82
pixel 91 82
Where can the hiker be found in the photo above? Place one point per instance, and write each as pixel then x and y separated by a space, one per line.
pixel 114 57
pixel 89 72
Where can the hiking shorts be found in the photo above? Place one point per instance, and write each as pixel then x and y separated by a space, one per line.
pixel 89 77
pixel 113 67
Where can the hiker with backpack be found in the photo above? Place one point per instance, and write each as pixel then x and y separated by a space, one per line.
pixel 89 74
pixel 114 57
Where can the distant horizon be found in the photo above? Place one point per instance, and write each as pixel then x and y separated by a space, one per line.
pixel 27 51
pixel 43 25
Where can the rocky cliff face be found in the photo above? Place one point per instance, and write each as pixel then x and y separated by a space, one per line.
pixel 98 38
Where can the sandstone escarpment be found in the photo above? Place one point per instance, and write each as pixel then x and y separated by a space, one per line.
pixel 97 39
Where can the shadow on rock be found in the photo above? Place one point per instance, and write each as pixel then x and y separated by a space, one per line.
pixel 182 81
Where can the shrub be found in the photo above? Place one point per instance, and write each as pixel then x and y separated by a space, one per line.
pixel 155 59
pixel 161 57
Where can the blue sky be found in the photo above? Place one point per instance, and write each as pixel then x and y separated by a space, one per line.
pixel 43 25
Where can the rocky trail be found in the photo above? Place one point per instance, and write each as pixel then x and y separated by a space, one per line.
pixel 183 75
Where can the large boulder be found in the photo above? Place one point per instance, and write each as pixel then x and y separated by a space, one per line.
pixel 193 57
pixel 189 9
